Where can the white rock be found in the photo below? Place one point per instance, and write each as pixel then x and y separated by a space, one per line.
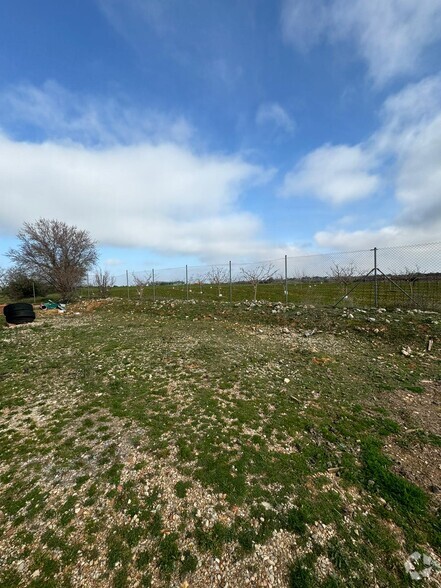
pixel 427 561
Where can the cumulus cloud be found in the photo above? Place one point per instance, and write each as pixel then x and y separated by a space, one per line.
pixel 157 196
pixel 406 114
pixel 411 135
pixel 390 35
pixel 274 114
pixel 129 177
pixel 333 173
pixel 406 148
pixel 419 180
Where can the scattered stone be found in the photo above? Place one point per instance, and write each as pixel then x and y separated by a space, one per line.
pixel 310 333
pixel 406 351
pixel 426 573
pixel 415 556
pixel 286 380
pixel 425 566
pixel 427 561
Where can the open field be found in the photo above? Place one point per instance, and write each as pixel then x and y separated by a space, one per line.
pixel 215 445
pixel 424 293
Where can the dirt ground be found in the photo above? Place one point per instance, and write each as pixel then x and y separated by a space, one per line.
pixel 418 462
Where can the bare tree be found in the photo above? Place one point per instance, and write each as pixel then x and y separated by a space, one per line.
pixel 344 274
pixel 55 253
pixel 411 276
pixel 258 274
pixel 217 276
pixel 197 281
pixel 104 281
pixel 141 282
pixel 299 275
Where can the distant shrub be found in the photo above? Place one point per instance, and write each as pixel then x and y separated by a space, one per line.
pixel 18 285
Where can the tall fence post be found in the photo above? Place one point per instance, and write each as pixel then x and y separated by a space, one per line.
pixel 33 290
pixel 375 279
pixel 127 282
pixel 230 282
pixel 286 279
pixel 186 281
pixel 153 285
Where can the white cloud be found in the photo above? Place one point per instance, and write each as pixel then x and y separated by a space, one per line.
pixel 406 114
pixel 304 22
pixel 390 35
pixel 405 150
pixel 158 196
pixel 130 178
pixel 333 173
pixel 124 15
pixel 419 180
pixel 362 239
pixel 113 261
pixel 411 137
pixel 274 114
pixel 62 115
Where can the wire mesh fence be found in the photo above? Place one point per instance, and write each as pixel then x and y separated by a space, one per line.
pixel 406 276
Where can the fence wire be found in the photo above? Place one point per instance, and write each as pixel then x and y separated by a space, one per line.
pixel 406 276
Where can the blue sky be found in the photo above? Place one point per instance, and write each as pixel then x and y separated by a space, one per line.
pixel 190 131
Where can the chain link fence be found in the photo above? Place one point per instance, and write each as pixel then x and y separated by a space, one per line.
pixel 406 276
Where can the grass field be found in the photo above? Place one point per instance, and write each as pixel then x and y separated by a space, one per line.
pixel 424 294
pixel 199 445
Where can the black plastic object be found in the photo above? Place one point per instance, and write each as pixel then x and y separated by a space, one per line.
pixel 19 313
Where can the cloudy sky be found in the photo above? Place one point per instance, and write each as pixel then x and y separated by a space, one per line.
pixel 191 131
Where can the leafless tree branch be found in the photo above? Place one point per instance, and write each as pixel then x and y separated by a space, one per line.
pixel 55 253
pixel 257 274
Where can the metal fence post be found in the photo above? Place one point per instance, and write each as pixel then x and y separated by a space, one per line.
pixel 230 282
pixel 375 279
pixel 153 285
pixel 127 281
pixel 33 290
pixel 286 279
pixel 186 280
